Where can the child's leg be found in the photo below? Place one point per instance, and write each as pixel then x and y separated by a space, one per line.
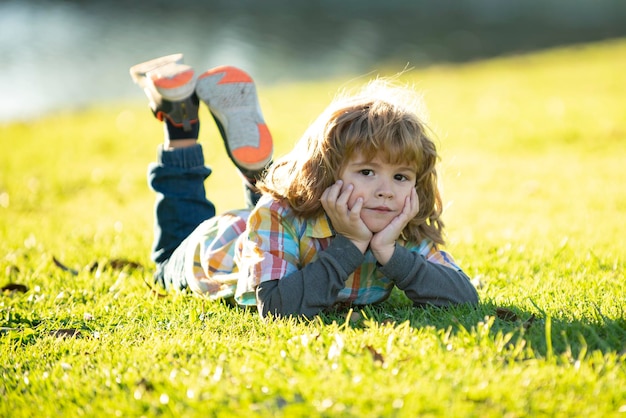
pixel 231 97
pixel 181 205
pixel 179 173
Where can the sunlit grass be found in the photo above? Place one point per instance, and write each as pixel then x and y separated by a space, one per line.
pixel 532 149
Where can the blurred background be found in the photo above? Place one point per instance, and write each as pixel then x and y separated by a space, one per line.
pixel 68 54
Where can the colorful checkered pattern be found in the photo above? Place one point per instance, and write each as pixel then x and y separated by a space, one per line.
pixel 229 262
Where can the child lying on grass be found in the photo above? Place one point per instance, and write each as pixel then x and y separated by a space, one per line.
pixel 351 212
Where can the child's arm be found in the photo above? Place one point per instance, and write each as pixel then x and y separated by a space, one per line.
pixel 428 283
pixel 280 264
pixel 313 288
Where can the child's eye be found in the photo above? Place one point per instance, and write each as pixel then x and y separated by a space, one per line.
pixel 401 177
pixel 367 172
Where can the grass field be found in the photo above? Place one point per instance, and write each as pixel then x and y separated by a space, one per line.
pixel 534 176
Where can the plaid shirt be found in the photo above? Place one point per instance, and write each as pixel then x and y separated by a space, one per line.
pixel 276 243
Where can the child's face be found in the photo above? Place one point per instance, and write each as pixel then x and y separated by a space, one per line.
pixel 384 188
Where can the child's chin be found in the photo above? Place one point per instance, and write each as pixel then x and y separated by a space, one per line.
pixel 376 227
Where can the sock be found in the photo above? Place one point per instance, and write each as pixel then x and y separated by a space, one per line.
pixel 178 132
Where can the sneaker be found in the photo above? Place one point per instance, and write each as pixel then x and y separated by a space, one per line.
pixel 170 87
pixel 139 72
pixel 231 97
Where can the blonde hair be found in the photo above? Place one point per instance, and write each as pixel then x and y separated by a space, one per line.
pixel 382 121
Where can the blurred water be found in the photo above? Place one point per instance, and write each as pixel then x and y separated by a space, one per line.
pixel 56 54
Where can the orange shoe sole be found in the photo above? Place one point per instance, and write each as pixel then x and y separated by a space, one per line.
pixel 231 97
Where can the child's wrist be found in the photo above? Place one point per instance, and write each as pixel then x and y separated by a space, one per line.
pixel 383 255
pixel 360 245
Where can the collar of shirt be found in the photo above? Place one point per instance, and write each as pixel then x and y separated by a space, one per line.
pixel 319 227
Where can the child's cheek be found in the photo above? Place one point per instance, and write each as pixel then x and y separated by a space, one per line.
pixel 352 201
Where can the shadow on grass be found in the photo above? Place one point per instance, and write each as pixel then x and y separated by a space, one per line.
pixel 541 335
pixel 537 333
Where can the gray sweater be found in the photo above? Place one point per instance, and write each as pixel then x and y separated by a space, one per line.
pixel 314 288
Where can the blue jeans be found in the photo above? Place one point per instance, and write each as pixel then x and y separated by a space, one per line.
pixel 181 205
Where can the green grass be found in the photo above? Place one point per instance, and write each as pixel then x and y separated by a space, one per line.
pixel 533 152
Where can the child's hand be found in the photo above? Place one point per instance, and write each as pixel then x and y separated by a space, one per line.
pixel 346 221
pixel 383 242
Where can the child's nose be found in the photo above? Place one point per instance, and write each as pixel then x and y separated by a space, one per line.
pixel 384 190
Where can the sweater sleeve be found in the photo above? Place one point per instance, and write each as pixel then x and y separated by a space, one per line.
pixel 427 283
pixel 315 287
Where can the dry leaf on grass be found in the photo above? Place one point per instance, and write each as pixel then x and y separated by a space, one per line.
pixel 66 333
pixel 15 287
